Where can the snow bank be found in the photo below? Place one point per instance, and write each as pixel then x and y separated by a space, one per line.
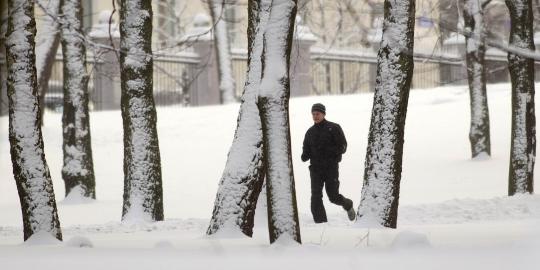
pixel 459 211
pixel 76 196
pixel 164 244
pixel 42 238
pixel 79 241
pixel 459 204
pixel 409 239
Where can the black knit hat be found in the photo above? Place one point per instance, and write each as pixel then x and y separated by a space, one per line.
pixel 318 107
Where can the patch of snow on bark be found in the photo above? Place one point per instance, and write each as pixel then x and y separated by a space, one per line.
pixel 132 42
pixel 280 180
pixel 377 193
pixel 247 144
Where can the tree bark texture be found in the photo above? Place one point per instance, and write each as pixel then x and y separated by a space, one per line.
pixel 3 66
pixel 243 175
pixel 143 191
pixel 479 134
pixel 273 106
pixel 30 169
pixel 78 168
pixel 523 142
pixel 382 175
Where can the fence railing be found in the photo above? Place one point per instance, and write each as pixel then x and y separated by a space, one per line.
pixel 54 98
pixel 172 78
pixel 332 72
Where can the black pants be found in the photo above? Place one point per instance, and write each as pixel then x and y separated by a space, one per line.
pixel 327 176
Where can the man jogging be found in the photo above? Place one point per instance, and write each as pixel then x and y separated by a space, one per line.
pixel 324 144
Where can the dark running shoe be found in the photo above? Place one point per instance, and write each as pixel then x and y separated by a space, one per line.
pixel 351 214
pixel 349 207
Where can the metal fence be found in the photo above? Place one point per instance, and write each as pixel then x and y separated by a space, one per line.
pixel 338 72
pixel 332 72
pixel 172 78
pixel 342 72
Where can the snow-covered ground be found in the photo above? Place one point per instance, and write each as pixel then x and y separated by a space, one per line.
pixel 453 210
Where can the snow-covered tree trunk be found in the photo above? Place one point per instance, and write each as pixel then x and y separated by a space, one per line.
pixel 382 175
pixel 273 103
pixel 47 42
pixel 221 41
pixel 78 169
pixel 143 191
pixel 243 176
pixel 479 135
pixel 523 149
pixel 3 66
pixel 30 169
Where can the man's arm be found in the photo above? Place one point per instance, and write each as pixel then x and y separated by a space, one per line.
pixel 341 141
pixel 306 154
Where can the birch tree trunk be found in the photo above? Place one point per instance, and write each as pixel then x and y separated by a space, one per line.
pixel 30 169
pixel 273 106
pixel 48 40
pixel 479 134
pixel 223 52
pixel 243 176
pixel 523 145
pixel 78 169
pixel 143 192
pixel 382 175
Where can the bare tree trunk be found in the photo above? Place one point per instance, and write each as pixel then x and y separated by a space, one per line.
pixel 523 149
pixel 143 191
pixel 223 52
pixel 30 169
pixel 48 40
pixel 382 175
pixel 78 169
pixel 243 176
pixel 273 106
pixel 479 134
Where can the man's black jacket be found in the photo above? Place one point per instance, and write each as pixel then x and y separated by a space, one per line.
pixel 324 144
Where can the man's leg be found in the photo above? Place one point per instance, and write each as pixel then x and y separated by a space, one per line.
pixel 332 188
pixel 317 207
